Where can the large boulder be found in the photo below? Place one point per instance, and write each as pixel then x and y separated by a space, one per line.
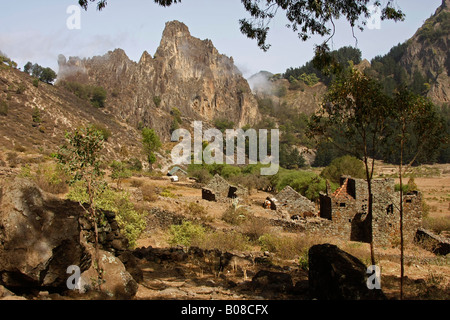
pixel 42 235
pixel 39 237
pixel 336 275
pixel 115 281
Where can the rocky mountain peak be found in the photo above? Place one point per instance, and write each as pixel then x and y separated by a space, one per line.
pixel 175 29
pixel 185 73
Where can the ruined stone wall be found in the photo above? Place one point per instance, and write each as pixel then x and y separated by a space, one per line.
pixel 349 210
pixel 294 203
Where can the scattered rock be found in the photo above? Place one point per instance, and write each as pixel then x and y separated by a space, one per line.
pixel 433 242
pixel 132 266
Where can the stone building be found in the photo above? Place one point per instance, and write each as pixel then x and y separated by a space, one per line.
pixel 293 202
pixel 218 189
pixel 347 208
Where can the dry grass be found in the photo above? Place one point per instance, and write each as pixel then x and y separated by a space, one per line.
pixel 437 224
pixel 149 192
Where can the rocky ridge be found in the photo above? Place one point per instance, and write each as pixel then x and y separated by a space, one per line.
pixel 185 73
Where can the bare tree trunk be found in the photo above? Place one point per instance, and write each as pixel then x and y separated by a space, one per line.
pixel 94 220
pixel 370 209
pixel 402 268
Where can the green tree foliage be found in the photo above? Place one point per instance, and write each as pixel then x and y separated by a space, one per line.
pixel 119 171
pixel 346 165
pixel 131 223
pixel 104 131
pixel 223 124
pixel 311 73
pixel 424 131
pixel 393 76
pixel 290 157
pixel 96 95
pixel 151 144
pixel 416 127
pixel 355 105
pixel 157 101
pixel 27 67
pixel 444 154
pixel 306 183
pixel 46 75
pixel 435 27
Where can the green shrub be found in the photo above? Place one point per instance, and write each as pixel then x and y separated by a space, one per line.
pixel 223 124
pixel 186 234
pixel 131 223
pixel 36 83
pixel 98 97
pixel 51 178
pixel 235 215
pixel 36 115
pixel 134 164
pixel 346 165
pixel 104 131
pixel 119 172
pixel 157 101
pixel 306 183
pixel 199 173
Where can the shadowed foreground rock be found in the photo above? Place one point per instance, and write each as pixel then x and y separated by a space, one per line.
pixel 41 236
pixel 337 275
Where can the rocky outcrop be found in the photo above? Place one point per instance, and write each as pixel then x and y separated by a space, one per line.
pixel 185 72
pixel 337 275
pixel 427 52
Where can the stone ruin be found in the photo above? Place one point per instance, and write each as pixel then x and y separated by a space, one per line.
pixel 347 208
pixel 218 189
pixel 293 203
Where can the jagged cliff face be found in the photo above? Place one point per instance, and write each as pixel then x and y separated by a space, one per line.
pixel 186 73
pixel 428 52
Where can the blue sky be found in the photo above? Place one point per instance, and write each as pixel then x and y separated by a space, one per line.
pixel 36 31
